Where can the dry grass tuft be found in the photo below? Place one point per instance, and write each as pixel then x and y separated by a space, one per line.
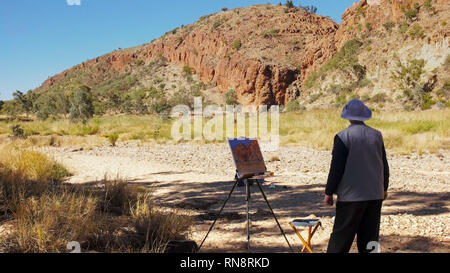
pixel 45 214
pixel 46 223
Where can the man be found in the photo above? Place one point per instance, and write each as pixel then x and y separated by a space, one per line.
pixel 359 176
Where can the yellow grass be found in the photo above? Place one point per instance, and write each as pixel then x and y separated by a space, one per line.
pixel 404 132
pixel 31 165
pixel 45 215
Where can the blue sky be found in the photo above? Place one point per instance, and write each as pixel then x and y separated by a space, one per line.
pixel 40 38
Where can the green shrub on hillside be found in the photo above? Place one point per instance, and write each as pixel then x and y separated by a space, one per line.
pixel 139 62
pixel 379 98
pixel 294 106
pixel 289 4
pixel 416 32
pixel 403 27
pixel 427 5
pixel 187 70
pixel 182 97
pixel 270 34
pixel 408 75
pixel 427 102
pixel 237 44
pixel 231 98
pixel 217 24
pixel 345 58
pixel 411 14
pixel 389 25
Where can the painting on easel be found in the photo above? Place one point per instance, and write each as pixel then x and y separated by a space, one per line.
pixel 247 157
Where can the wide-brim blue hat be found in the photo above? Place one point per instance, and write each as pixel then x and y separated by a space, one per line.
pixel 356 110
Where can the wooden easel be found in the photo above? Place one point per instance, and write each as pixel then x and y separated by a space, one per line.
pixel 248 181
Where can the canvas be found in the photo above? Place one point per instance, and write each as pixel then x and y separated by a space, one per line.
pixel 247 157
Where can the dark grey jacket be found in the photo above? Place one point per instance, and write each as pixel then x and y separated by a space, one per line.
pixel 359 168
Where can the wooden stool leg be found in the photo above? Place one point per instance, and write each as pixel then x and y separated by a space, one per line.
pixel 308 243
pixel 309 236
pixel 305 243
pixel 304 248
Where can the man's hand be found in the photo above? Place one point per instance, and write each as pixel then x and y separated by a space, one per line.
pixel 386 195
pixel 329 200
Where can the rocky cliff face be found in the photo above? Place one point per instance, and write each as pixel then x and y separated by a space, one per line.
pixel 374 14
pixel 258 51
pixel 390 38
pixel 266 52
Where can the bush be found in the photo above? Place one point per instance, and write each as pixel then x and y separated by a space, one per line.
pixel 270 34
pixel 346 57
pixel 231 98
pixel 112 138
pixel 403 27
pixel 294 106
pixel 341 100
pixel 416 32
pixel 289 4
pixel 237 44
pixel 314 97
pixel 51 104
pixel 217 24
pixel 312 9
pixel 31 165
pixel 182 97
pixel 408 78
pixel 379 98
pixel 139 62
pixel 159 106
pixel 427 103
pixel 187 70
pixel 81 108
pixel 427 5
pixel 389 25
pixel 46 223
pixel 157 227
pixel 411 14
pixel 17 132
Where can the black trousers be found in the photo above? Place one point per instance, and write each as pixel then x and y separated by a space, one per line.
pixel 355 218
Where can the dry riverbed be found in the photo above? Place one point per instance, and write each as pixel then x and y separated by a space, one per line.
pixel 197 179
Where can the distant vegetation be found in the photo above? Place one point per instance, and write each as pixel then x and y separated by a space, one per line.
pixel 345 60
pixel 121 93
pixel 290 4
pixel 404 132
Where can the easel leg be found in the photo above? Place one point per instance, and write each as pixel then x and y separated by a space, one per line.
pixel 247 200
pixel 274 216
pixel 220 212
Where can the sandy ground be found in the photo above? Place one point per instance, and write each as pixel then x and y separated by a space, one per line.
pixel 198 178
